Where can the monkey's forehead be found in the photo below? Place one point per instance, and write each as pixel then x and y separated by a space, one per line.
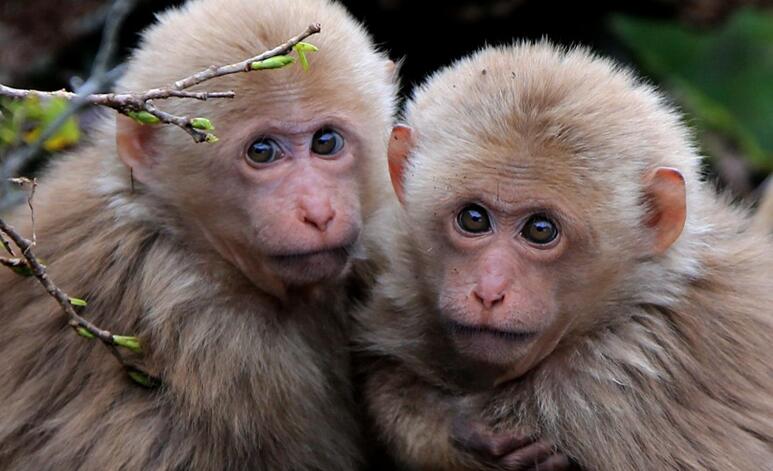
pixel 202 33
pixel 518 100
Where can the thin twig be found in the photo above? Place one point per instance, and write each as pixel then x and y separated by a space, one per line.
pixel 117 101
pixel 7 245
pixel 33 182
pixel 13 262
pixel 244 66
pixel 73 319
pixel 119 10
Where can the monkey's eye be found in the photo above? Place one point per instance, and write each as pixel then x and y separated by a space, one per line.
pixel 474 219
pixel 326 142
pixel 539 229
pixel 264 151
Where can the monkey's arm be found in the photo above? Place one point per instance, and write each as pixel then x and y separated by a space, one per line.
pixel 425 427
pixel 413 418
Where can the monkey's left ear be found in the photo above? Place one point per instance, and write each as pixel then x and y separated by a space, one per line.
pixel 133 141
pixel 666 197
pixel 400 146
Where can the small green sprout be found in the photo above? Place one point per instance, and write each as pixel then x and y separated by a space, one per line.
pixel 83 332
pixel 132 343
pixel 143 117
pixel 78 302
pixel 276 62
pixel 301 49
pixel 202 123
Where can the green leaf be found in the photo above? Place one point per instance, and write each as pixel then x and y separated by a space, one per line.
pixel 132 343
pixel 68 134
pixel 202 123
pixel 78 302
pixel 304 61
pixel 301 49
pixel 142 379
pixel 83 332
pixel 24 121
pixel 211 138
pixel 143 117
pixel 276 62
pixel 305 47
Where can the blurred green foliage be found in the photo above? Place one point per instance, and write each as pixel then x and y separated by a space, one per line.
pixel 23 121
pixel 723 77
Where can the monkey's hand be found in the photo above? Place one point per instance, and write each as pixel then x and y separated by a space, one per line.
pixel 510 450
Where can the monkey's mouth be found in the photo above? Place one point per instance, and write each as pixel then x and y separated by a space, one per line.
pixel 487 346
pixel 341 251
pixel 466 331
pixel 301 268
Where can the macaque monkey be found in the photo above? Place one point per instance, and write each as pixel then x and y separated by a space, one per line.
pixel 559 269
pixel 232 262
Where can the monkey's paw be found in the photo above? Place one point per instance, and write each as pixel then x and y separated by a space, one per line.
pixel 509 451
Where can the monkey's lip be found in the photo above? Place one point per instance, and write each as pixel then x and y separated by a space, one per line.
pixel 464 330
pixel 339 252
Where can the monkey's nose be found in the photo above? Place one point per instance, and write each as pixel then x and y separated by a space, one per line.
pixel 490 290
pixel 317 212
pixel 488 300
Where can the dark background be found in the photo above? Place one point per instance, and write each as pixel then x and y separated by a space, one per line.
pixel 45 42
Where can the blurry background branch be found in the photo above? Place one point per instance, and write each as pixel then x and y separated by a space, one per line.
pixel 101 78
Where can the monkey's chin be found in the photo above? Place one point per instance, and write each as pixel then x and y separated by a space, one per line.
pixel 488 346
pixel 302 269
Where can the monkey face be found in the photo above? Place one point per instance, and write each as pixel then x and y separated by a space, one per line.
pixel 501 293
pixel 295 186
pixel 285 192
pixel 497 245
pixel 279 197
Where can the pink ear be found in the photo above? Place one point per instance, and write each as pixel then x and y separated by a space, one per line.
pixel 392 68
pixel 665 192
pixel 133 141
pixel 400 146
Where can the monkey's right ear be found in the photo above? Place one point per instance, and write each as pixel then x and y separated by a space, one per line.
pixel 133 141
pixel 666 196
pixel 400 146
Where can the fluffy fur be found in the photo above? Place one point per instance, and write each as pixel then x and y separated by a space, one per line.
pixel 764 217
pixel 667 361
pixel 247 383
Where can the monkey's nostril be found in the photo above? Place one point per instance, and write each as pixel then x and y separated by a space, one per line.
pixel 317 213
pixel 488 300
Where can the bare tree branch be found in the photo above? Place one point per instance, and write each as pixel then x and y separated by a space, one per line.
pixel 119 10
pixel 13 263
pixel 131 104
pixel 74 320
